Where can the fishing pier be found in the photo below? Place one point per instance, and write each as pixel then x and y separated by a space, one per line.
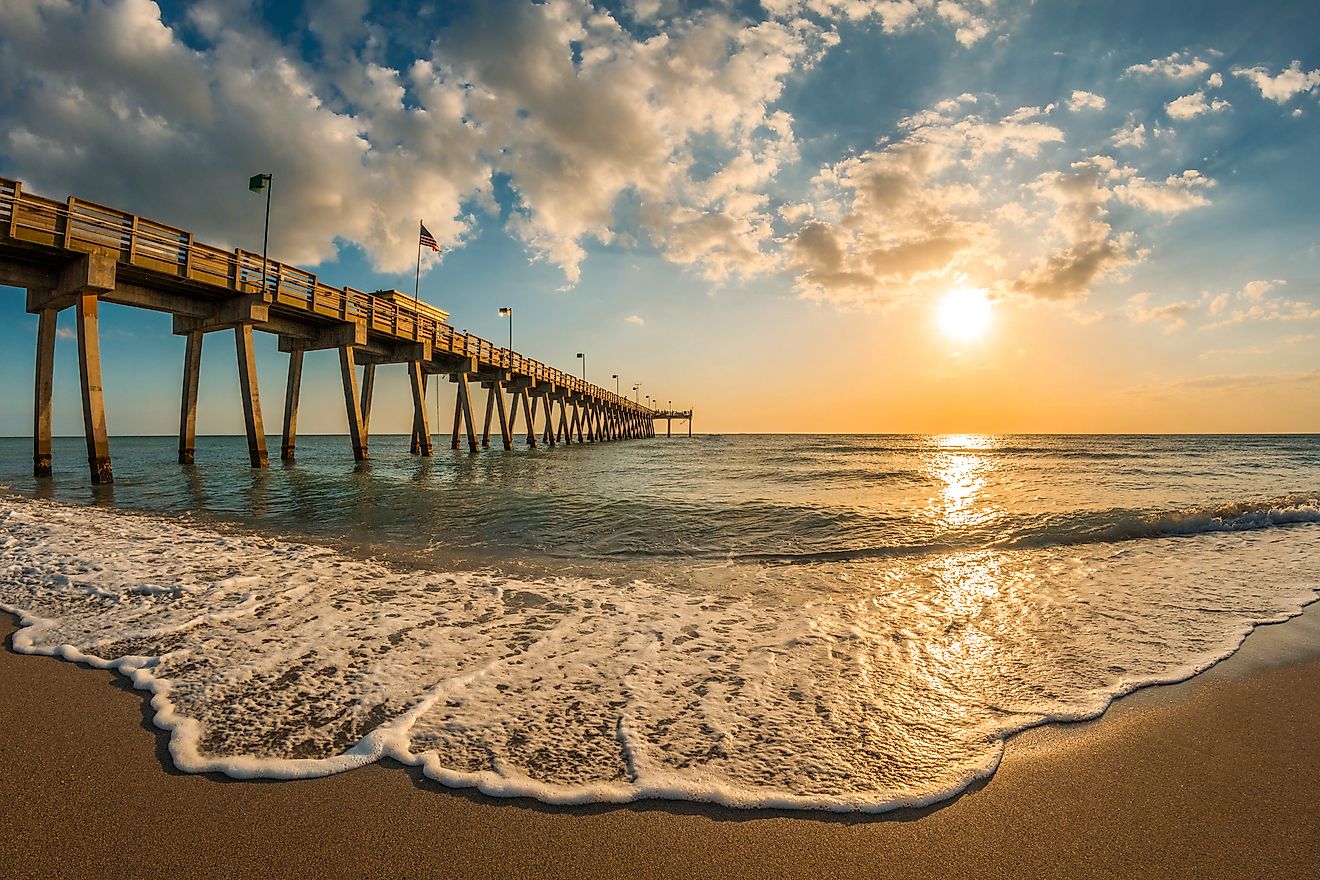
pixel 76 254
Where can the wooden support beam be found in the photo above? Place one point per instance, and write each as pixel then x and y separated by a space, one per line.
pixel 492 391
pixel 463 411
pixel 320 338
pixel 577 422
pixel 378 352
pixel 547 432
pixel 247 389
pixel 192 364
pixel 458 420
pixel 41 455
pixel 93 400
pixel 527 414
pixel 227 314
pixel 352 404
pixel 506 423
pixel 421 438
pixel 513 410
pixel 443 362
pixel 88 274
pixel 291 392
pixel 564 434
pixel 368 389
pixel 31 277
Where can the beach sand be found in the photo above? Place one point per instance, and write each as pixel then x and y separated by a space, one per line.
pixel 1216 777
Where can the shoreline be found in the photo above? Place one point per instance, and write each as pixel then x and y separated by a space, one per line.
pixel 1211 776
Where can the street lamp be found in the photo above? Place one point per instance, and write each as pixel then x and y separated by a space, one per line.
pixel 582 357
pixel 256 183
pixel 615 377
pixel 507 312
pixel 637 393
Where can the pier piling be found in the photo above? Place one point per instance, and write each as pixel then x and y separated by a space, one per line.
pixel 291 391
pixel 247 389
pixel 93 398
pixel 41 431
pixel 357 431
pixel 192 363
pixel 421 433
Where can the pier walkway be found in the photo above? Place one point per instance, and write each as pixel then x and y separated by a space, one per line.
pixel 77 254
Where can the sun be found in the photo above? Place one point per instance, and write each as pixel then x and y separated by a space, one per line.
pixel 964 314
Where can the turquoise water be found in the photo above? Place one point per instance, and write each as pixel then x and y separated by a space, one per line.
pixel 822 622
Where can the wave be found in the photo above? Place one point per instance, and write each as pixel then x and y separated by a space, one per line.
pixel 1123 525
pixel 1105 527
pixel 278 659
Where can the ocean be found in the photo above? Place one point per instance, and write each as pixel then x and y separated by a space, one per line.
pixel 846 623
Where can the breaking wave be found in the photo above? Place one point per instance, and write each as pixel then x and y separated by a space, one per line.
pixel 862 682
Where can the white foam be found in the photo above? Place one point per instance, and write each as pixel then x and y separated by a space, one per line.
pixel 859 686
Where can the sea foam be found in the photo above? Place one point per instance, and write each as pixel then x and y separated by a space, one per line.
pixel 864 685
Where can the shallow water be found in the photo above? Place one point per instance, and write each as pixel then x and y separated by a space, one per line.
pixel 847 623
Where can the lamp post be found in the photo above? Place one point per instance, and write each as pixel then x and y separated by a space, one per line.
pixel 615 377
pixel 507 312
pixel 256 183
pixel 637 393
pixel 582 357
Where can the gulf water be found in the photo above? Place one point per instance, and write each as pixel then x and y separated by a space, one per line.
pixel 829 622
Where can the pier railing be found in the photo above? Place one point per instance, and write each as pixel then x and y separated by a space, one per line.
pixel 82 226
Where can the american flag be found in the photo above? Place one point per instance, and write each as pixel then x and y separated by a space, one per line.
pixel 428 240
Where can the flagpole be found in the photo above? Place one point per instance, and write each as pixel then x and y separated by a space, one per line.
pixel 417 282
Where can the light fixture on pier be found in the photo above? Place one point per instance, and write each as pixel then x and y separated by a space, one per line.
pixel 256 183
pixel 507 312
pixel 637 390
pixel 582 357
pixel 615 377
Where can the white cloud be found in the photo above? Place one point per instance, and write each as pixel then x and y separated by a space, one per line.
pixel 1179 65
pixel 1178 192
pixel 912 216
pixel 1282 87
pixel 1086 101
pixel 1256 301
pixel 636 320
pixel 971 20
pixel 1189 106
pixel 1215 81
pixel 1132 136
pixel 1173 316
pixel 1088 249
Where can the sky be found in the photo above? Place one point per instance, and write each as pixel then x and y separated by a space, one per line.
pixel 793 215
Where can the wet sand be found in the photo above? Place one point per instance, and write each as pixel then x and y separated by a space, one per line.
pixel 1219 776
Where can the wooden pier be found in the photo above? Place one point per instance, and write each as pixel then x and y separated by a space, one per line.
pixel 78 254
pixel 669 416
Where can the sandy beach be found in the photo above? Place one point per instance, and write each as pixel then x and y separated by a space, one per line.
pixel 1214 777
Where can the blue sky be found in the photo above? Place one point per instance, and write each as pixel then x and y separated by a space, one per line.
pixel 752 209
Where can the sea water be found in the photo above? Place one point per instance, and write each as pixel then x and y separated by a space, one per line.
pixel 839 623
